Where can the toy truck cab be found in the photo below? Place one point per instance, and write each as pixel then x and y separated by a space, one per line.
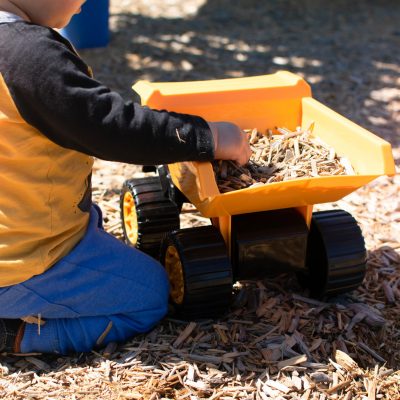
pixel 258 230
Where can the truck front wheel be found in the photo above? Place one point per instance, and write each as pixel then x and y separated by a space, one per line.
pixel 199 272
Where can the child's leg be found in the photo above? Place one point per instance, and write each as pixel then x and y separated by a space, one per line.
pixel 102 280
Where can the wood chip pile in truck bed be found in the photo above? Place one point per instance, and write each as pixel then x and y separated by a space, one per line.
pixel 279 157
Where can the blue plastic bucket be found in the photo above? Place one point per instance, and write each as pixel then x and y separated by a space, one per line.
pixel 89 29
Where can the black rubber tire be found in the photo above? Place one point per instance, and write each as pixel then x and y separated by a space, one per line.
pixel 336 254
pixel 156 214
pixel 206 270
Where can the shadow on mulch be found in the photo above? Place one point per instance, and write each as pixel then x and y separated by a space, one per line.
pixel 345 50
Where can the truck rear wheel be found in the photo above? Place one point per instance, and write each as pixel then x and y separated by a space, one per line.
pixel 199 272
pixel 147 214
pixel 336 254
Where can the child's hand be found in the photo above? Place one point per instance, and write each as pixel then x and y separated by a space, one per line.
pixel 230 142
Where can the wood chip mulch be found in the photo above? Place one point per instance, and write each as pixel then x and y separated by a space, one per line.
pixel 276 343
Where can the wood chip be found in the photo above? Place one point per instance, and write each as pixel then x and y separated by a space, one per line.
pixel 292 361
pixel 278 386
pixel 184 334
pixel 345 361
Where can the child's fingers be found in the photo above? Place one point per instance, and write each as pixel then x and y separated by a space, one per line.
pixel 244 155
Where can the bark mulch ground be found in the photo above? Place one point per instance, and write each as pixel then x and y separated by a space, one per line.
pixel 276 342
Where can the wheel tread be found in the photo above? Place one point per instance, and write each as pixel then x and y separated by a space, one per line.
pixel 207 272
pixel 336 254
pixel 156 213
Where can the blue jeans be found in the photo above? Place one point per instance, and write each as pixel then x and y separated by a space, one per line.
pixel 102 280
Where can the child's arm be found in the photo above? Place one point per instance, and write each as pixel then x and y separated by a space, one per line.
pixel 53 91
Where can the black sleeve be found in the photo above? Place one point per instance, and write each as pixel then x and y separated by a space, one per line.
pixel 54 92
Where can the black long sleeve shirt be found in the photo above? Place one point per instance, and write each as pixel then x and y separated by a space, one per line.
pixel 54 92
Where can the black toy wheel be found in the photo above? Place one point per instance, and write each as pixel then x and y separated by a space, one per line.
pixel 336 254
pixel 199 272
pixel 146 214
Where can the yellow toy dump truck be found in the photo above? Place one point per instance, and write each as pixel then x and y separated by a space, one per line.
pixel 259 230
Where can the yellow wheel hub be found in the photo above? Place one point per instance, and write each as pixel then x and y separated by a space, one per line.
pixel 173 265
pixel 130 218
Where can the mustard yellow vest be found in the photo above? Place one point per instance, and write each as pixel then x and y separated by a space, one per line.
pixel 41 188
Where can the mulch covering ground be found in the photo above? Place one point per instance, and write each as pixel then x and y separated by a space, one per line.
pixel 276 342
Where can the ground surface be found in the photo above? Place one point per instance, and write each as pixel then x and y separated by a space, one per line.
pixel 348 52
